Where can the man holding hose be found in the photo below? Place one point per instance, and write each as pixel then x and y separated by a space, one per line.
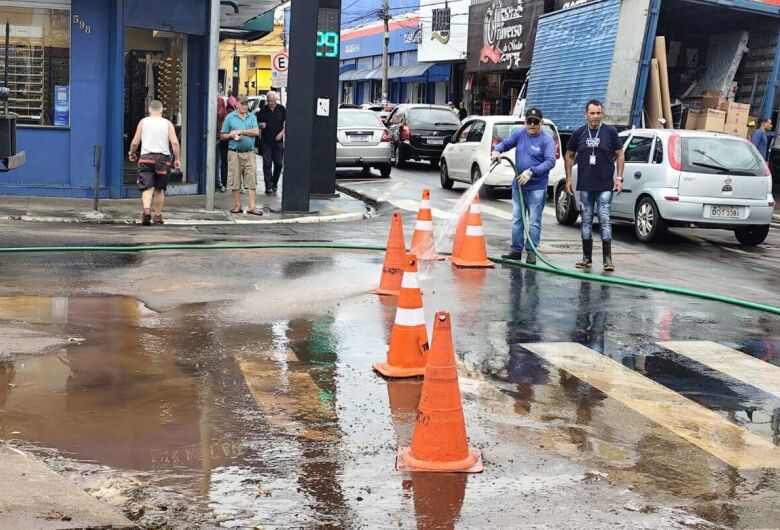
pixel 534 158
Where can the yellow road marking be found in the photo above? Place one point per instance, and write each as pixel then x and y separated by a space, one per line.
pixel 700 426
pixel 736 364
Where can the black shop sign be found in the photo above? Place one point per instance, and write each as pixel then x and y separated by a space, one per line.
pixel 502 33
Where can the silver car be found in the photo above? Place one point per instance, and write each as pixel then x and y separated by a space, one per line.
pixel 687 179
pixel 362 141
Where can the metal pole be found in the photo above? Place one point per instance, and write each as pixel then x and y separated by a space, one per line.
pixel 96 163
pixel 5 64
pixel 211 118
pixel 385 46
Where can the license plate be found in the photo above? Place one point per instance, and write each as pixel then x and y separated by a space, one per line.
pixel 360 138
pixel 730 212
pixel 434 141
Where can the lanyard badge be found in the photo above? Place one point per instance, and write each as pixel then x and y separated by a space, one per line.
pixel 593 142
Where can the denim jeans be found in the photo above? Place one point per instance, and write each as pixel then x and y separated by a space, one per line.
pixel 602 201
pixel 273 153
pixel 534 205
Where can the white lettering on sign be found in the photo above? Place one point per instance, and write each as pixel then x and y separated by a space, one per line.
pixel 352 48
pixel 503 34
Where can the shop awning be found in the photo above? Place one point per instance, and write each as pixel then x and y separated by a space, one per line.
pixel 393 72
pixel 408 71
pixel 248 20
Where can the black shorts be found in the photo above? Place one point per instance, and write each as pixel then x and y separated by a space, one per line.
pixel 153 170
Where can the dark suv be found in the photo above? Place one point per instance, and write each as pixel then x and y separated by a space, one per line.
pixel 420 132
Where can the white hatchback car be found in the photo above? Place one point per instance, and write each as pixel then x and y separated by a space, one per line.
pixel 467 157
pixel 687 179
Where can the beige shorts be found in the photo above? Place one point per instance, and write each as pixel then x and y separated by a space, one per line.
pixel 242 170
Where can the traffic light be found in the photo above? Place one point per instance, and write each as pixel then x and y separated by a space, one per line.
pixel 235 66
pixel 253 84
pixel 246 85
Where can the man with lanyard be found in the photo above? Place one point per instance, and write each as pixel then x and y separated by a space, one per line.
pixel 272 118
pixel 241 128
pixel 596 148
pixel 534 158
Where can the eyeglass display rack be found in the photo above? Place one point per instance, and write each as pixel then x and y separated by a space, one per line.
pixel 25 79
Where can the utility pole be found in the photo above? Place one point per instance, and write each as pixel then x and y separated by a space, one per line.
pixel 385 48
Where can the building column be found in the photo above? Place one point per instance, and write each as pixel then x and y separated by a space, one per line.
pixel 113 158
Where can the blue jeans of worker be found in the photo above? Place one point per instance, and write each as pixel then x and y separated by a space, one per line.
pixel 534 205
pixel 601 201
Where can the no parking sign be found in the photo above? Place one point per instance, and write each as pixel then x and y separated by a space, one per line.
pixel 279 66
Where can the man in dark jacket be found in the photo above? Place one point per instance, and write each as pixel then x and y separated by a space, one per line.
pixel 272 118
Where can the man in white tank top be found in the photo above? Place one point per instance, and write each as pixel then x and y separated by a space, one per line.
pixel 156 136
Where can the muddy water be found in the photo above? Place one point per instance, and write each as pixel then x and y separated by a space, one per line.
pixel 243 420
pixel 264 410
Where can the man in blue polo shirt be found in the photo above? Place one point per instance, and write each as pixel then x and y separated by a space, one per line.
pixel 534 158
pixel 240 127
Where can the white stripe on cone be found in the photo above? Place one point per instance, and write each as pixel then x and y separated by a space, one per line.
pixel 474 231
pixel 474 208
pixel 410 281
pixel 425 226
pixel 425 205
pixel 409 317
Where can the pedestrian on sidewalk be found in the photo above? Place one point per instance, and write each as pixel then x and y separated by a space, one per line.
pixel 156 137
pixel 462 112
pixel 240 129
pixel 597 149
pixel 534 158
pixel 760 138
pixel 222 145
pixel 272 118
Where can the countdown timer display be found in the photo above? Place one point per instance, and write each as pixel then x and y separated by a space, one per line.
pixel 328 32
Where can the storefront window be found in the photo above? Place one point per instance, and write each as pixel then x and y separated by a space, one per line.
pixel 38 61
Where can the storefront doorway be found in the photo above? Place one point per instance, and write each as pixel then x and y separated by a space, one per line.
pixel 155 68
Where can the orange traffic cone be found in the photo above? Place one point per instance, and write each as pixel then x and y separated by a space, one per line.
pixel 409 337
pixel 395 257
pixel 460 232
pixel 472 251
pixel 439 441
pixel 423 245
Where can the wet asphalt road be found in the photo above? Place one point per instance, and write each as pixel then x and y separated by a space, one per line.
pixel 235 388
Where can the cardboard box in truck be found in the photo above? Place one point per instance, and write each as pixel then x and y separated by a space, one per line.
pixel 692 119
pixel 737 115
pixel 711 120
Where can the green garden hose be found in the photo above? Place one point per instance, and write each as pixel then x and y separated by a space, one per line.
pixel 349 246
pixel 615 280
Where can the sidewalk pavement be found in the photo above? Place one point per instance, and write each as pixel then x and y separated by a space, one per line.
pixel 178 210
pixel 36 498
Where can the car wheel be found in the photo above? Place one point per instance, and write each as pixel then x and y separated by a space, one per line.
pixel 444 176
pixel 384 170
pixel 752 235
pixel 648 223
pixel 476 174
pixel 398 159
pixel 565 209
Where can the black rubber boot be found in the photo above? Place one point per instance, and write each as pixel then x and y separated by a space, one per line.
pixel 606 249
pixel 587 255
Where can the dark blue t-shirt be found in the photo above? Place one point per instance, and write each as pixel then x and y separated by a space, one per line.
pixel 601 175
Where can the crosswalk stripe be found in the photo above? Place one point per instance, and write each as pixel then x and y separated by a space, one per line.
pixel 412 206
pixel 490 210
pixel 711 432
pixel 736 364
pixel 549 210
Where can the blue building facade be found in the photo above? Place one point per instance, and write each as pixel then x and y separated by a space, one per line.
pixel 103 37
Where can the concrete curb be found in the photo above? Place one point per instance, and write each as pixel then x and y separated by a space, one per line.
pixel 342 217
pixel 377 204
